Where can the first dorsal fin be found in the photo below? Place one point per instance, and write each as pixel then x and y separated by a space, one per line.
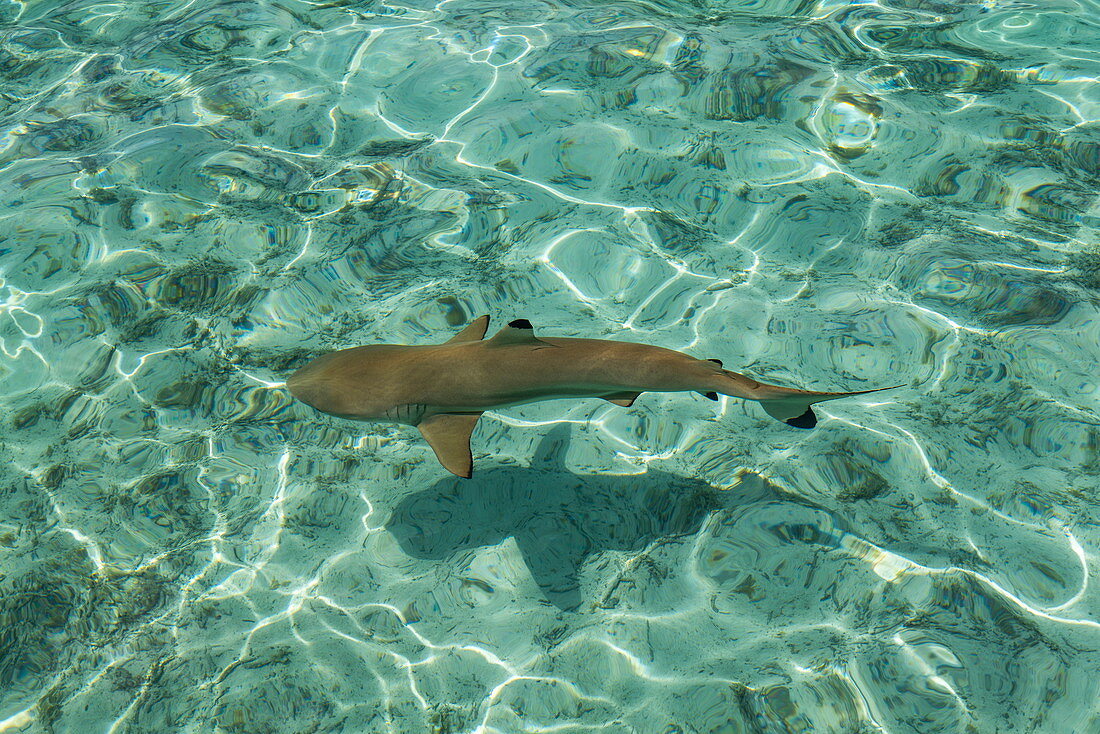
pixel 474 331
pixel 449 436
pixel 519 331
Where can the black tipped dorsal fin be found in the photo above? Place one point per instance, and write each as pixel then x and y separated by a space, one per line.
pixel 449 436
pixel 519 331
pixel 474 331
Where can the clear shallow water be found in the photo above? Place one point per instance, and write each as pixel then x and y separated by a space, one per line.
pixel 197 197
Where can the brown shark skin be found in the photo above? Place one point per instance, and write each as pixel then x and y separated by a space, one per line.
pixel 369 382
pixel 405 384
pixel 443 389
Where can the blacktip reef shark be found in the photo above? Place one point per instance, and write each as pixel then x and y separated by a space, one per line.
pixel 443 389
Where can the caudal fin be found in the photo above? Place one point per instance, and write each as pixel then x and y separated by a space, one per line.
pixel 808 418
pixel 782 403
pixel 793 406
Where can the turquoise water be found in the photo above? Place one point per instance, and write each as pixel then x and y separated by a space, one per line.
pixel 198 197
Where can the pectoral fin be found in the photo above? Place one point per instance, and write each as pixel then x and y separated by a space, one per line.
pixel 625 399
pixel 449 436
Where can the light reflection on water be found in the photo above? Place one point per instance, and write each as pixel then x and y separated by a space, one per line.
pixel 198 198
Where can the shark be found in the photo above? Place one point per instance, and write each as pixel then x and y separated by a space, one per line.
pixel 443 389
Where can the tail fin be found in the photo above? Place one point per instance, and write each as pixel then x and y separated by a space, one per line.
pixel 776 409
pixel 793 406
pixel 783 403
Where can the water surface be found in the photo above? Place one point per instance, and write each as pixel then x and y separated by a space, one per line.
pixel 197 197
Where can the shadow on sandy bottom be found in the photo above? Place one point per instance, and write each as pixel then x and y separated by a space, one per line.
pixel 559 518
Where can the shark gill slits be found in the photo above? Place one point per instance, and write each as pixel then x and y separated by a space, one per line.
pixel 520 324
pixel 806 420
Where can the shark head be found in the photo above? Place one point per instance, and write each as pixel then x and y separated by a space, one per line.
pixel 353 383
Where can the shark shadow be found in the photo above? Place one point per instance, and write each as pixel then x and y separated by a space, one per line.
pixel 559 518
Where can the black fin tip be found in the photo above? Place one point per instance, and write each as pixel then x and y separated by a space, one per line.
pixel 806 420
pixel 520 324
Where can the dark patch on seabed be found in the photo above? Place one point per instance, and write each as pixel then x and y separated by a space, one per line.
pixel 196 198
pixel 558 518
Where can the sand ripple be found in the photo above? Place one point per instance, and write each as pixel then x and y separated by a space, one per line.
pixel 197 198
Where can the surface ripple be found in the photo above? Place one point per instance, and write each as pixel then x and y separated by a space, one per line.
pixel 197 198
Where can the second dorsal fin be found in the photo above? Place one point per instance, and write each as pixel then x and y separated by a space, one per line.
pixel 474 331
pixel 519 331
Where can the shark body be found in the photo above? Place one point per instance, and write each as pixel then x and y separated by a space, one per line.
pixel 444 388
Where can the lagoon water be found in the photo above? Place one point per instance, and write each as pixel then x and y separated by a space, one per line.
pixel 198 197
